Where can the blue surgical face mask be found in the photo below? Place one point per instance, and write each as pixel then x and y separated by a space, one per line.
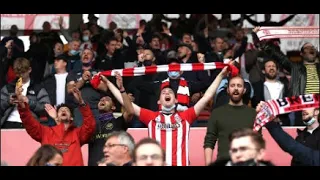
pixel 174 74
pixel 168 109
pixel 74 52
pixel 85 38
pixel 310 122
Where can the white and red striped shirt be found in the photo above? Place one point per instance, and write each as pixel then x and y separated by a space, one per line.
pixel 172 132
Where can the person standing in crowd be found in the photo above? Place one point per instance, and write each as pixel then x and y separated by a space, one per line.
pixel 310 135
pixel 220 126
pixel 247 148
pixel 64 136
pixel 17 43
pixel 300 152
pixel 90 95
pixel 34 94
pixel 46 155
pixel 270 88
pixel 305 74
pixel 169 127
pixel 56 84
pixel 118 149
pixel 148 152
pixel 107 123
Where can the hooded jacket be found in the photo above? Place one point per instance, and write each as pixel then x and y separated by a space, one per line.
pixel 68 141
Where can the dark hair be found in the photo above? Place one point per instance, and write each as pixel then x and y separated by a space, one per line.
pixel 44 154
pixel 65 105
pixel 243 132
pixel 147 141
pixel 142 22
pixel 168 86
pixel 111 39
pixel 268 60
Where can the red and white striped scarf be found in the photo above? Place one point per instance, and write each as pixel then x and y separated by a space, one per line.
pixel 183 94
pixel 288 32
pixel 139 71
pixel 275 107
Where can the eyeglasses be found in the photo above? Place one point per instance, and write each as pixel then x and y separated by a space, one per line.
pixel 113 145
pixel 153 157
pixel 241 149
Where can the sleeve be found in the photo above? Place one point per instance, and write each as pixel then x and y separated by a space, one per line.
pixel 42 99
pixel 87 129
pixel 33 127
pixel 146 116
pixel 5 97
pixel 302 153
pixel 189 115
pixel 212 132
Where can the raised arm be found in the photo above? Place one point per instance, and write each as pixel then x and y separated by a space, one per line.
pixel 87 129
pixel 128 108
pixel 117 94
pixel 33 127
pixel 209 94
pixel 306 155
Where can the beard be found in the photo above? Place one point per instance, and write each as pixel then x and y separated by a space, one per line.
pixel 235 99
pixel 309 59
pixel 269 76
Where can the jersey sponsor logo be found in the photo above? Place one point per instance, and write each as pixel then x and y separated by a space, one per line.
pixel 165 126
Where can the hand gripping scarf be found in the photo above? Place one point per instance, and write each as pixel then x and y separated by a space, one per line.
pixel 139 71
pixel 275 107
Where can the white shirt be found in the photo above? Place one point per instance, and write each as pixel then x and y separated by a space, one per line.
pixel 14 115
pixel 60 88
pixel 274 88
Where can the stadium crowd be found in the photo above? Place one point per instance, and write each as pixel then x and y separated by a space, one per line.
pixel 47 91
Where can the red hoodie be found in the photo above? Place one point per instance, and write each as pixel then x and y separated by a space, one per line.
pixel 68 141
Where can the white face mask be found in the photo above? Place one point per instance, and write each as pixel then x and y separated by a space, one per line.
pixel 310 122
pixel 168 110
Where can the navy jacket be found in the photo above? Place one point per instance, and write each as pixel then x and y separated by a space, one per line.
pixel 304 154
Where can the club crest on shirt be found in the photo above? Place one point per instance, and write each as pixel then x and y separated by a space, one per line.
pixel 108 126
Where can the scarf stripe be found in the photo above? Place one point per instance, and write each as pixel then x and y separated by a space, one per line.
pixel 139 71
pixel 275 107
pixel 288 32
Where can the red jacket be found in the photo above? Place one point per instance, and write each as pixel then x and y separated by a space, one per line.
pixel 68 141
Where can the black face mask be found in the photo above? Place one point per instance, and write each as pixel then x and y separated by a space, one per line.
pixel 13 33
pixel 249 162
pixel 86 64
pixel 147 62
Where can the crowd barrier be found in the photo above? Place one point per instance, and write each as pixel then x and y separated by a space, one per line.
pixel 17 146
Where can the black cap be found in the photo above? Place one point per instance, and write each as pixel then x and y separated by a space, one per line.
pixel 186 45
pixel 62 57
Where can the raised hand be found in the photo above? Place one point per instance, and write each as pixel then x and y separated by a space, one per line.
pixel 86 75
pixel 256 29
pixel 52 111
pixel 201 58
pixel 119 81
pixel 77 95
pixel 224 72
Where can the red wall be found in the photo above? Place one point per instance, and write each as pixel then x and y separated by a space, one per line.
pixel 17 146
